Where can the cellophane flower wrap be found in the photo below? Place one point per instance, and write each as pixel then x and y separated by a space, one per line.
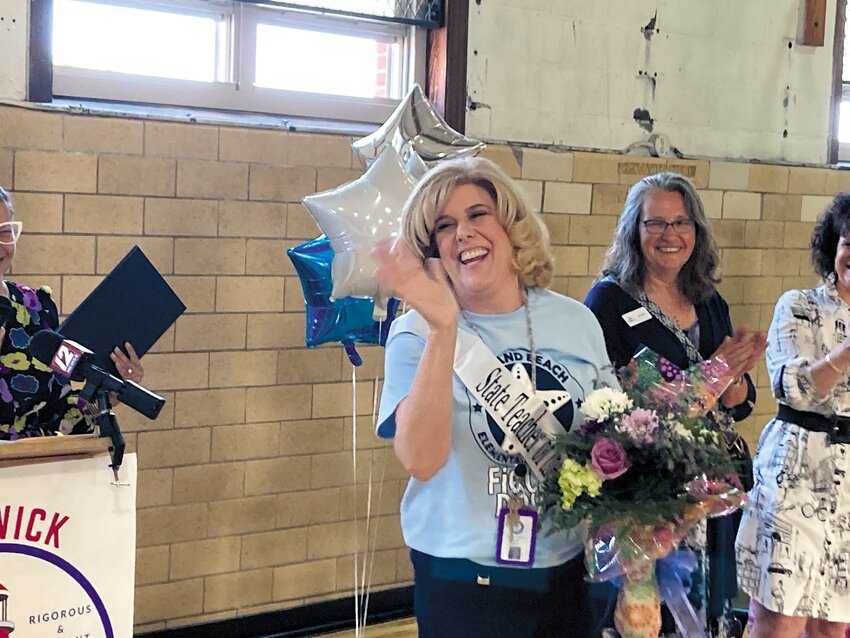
pixel 646 465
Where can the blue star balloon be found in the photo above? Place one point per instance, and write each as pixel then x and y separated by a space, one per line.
pixel 347 320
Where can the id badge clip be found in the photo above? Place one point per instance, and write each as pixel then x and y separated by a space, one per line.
pixel 517 536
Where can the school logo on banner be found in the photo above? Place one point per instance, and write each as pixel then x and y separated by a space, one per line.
pixel 556 387
pixel 67 549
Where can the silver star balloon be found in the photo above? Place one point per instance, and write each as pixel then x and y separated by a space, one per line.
pixel 415 166
pixel 415 128
pixel 357 215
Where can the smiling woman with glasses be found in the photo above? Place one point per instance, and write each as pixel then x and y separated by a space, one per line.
pixel 682 226
pixel 658 288
pixel 33 400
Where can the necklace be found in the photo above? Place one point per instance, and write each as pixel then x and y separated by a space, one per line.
pixel 675 306
pixel 529 332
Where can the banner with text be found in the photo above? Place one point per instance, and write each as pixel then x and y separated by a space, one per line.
pixel 67 549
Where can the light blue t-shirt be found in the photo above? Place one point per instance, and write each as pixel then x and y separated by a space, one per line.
pixel 455 513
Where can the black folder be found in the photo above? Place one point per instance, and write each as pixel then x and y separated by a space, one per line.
pixel 133 303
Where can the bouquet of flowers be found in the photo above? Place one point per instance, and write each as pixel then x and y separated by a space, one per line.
pixel 646 466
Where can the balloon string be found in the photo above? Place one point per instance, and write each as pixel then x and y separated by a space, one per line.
pixel 367 585
pixel 363 575
pixel 363 571
pixel 373 537
pixel 357 623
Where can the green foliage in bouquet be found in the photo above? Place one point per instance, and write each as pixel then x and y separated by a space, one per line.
pixel 648 454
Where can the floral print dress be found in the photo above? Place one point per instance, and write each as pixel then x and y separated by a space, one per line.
pixel 34 401
pixel 794 541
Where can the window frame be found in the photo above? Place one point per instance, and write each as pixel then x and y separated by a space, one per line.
pixel 235 95
pixel 843 147
pixel 838 152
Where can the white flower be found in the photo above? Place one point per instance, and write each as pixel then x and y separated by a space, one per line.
pixel 603 403
pixel 682 432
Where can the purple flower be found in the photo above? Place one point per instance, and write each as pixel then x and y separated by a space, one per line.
pixel 589 428
pixel 608 459
pixel 640 425
pixel 30 297
pixel 5 395
pixel 662 398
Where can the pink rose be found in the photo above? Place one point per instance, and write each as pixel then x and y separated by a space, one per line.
pixel 608 459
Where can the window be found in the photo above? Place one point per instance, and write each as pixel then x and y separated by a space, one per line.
pixel 235 56
pixel 844 104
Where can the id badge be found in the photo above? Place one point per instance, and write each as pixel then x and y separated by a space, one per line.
pixel 637 316
pixel 515 545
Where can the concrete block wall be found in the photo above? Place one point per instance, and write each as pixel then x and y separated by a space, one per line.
pixel 246 500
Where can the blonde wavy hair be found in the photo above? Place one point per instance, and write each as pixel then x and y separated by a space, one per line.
pixel 526 231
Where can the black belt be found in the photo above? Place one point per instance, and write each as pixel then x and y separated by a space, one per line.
pixel 459 569
pixel 837 427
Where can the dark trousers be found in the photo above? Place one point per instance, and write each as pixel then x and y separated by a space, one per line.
pixel 450 602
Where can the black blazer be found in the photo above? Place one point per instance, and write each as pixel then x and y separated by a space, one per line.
pixel 609 303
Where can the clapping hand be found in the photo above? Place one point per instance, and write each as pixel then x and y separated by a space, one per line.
pixel 742 349
pixel 423 286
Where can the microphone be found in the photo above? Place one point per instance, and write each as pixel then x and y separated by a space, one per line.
pixel 67 356
pixel 76 362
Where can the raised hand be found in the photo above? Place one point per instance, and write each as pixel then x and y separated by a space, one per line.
pixel 129 365
pixel 742 349
pixel 424 287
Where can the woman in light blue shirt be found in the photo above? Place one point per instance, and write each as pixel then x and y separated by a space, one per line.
pixel 473 263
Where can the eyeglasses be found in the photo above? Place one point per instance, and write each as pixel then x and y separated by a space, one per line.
pixel 658 226
pixel 9 232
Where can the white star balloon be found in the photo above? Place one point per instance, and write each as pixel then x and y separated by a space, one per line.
pixel 416 129
pixel 357 215
pixel 415 166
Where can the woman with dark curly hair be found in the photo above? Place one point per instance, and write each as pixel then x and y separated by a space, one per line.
pixel 794 542
pixel 658 288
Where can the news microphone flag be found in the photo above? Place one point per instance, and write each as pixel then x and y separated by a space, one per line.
pixel 68 355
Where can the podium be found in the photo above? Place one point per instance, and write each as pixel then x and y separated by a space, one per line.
pixel 44 449
pixel 67 539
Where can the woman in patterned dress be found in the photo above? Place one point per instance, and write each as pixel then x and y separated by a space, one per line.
pixel 33 400
pixel 658 289
pixel 794 542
